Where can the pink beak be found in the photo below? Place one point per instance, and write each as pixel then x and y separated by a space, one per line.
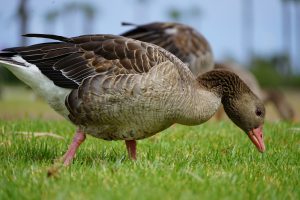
pixel 256 136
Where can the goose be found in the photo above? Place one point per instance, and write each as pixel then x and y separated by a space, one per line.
pixel 117 88
pixel 185 42
pixel 281 104
pixel 192 48
pixel 273 96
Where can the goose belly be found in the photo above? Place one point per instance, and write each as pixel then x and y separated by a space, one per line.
pixel 136 118
pixel 133 131
pixel 119 114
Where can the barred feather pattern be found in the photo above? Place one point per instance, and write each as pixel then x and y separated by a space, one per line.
pixel 183 41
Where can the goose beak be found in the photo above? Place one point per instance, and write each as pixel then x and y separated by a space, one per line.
pixel 256 136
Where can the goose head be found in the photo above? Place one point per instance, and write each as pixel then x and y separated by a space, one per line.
pixel 247 112
pixel 241 105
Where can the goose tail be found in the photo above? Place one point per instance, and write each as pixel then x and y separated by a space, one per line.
pixel 7 59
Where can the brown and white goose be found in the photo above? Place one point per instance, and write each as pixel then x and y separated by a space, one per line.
pixel 116 88
pixel 183 41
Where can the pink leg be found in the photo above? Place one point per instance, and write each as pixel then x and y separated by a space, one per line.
pixel 77 140
pixel 131 148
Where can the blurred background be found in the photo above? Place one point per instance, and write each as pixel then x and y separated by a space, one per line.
pixel 260 36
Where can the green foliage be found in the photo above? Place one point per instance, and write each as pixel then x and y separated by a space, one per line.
pixel 211 161
pixel 51 15
pixel 175 14
pixel 271 73
pixel 266 75
pixel 6 77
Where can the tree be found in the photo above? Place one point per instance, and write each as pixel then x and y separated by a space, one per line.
pixel 180 14
pixel 23 15
pixel 248 29
pixel 286 33
pixel 87 10
pixel 297 27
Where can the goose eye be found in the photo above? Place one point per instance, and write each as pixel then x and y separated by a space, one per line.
pixel 258 112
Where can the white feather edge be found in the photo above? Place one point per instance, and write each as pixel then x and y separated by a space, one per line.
pixel 171 31
pixel 42 85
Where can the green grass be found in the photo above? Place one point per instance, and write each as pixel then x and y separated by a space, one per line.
pixel 211 161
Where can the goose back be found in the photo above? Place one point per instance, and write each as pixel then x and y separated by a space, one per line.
pixel 181 40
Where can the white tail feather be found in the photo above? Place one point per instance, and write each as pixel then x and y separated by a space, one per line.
pixel 33 77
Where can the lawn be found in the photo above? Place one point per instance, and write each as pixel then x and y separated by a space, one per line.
pixel 211 161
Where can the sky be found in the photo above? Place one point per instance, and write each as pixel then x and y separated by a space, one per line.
pixel 220 21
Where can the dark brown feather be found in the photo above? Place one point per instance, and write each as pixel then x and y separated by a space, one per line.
pixel 69 62
pixel 184 43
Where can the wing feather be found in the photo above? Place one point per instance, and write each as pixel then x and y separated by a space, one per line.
pixel 181 40
pixel 68 62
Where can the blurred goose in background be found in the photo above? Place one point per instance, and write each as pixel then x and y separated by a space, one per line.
pixel 277 98
pixel 183 41
pixel 117 88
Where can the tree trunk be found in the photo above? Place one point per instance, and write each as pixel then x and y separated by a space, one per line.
pixel 286 34
pixel 247 29
pixel 23 17
pixel 297 27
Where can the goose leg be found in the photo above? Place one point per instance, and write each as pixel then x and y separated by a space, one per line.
pixel 67 158
pixel 131 148
pixel 219 114
pixel 70 154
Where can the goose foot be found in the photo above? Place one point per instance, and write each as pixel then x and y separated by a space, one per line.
pixel 67 158
pixel 70 154
pixel 131 148
pixel 219 114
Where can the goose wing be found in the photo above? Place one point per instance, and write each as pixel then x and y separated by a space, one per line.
pixel 71 60
pixel 181 40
